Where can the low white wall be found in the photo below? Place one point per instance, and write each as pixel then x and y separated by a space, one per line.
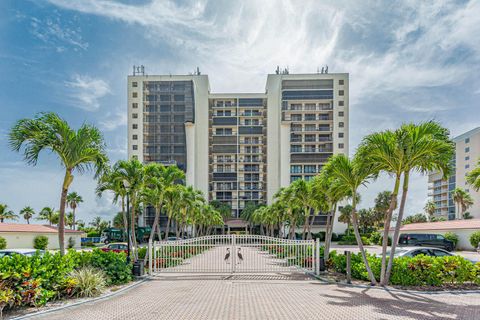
pixel 463 236
pixel 24 240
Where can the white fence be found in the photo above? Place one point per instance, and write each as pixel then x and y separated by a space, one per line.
pixel 234 254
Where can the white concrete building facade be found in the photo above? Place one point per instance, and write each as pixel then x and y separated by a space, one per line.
pixel 239 147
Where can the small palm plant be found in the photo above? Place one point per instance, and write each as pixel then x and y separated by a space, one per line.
pixel 89 282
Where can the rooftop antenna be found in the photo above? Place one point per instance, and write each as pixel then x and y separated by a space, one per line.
pixel 326 69
pixel 323 69
pixel 277 71
pixel 138 70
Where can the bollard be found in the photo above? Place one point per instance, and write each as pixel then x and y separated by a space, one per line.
pixel 349 266
pixel 150 258
pixel 317 256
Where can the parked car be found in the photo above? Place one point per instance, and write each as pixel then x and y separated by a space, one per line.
pixel 25 252
pixel 425 239
pixel 415 251
pixel 116 247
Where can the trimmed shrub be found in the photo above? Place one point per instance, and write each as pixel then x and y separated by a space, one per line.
pixel 71 243
pixel 88 282
pixel 475 239
pixel 376 238
pixel 40 242
pixel 413 271
pixel 452 237
pixel 3 243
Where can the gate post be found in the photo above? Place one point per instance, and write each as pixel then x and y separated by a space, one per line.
pixel 150 257
pixel 317 256
pixel 234 252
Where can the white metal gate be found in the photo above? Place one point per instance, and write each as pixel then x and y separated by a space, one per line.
pixel 234 254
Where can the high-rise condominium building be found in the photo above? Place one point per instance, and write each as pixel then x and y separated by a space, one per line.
pixel 467 153
pixel 239 147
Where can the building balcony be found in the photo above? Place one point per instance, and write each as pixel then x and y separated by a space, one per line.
pixel 313 150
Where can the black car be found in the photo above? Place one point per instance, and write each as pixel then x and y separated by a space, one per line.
pixel 426 240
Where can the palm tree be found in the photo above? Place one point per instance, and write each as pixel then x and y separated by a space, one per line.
pixel 430 208
pixel 73 200
pixel 70 220
pixel 6 214
pixel 27 213
pixel 382 151
pixel 131 174
pixel 463 200
pixel 351 174
pixel 346 216
pixel 172 197
pixel 302 197
pixel 473 177
pixel 286 197
pixel 78 151
pixel 426 147
pixel 47 213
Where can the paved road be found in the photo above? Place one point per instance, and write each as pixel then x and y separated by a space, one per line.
pixel 269 297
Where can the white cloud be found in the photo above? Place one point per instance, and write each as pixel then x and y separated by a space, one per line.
pixel 51 31
pixel 401 58
pixel 85 92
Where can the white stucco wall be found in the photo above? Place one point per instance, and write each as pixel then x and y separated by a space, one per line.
pixel 24 240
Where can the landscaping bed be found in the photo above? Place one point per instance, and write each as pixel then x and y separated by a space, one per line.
pixel 422 273
pixel 27 282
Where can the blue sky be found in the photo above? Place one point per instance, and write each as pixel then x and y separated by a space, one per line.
pixel 408 61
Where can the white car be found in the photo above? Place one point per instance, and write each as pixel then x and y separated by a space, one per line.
pixel 415 251
pixel 25 252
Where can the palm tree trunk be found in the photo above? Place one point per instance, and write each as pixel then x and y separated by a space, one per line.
pixel 386 226
pixel 310 225
pixel 306 214
pixel 61 222
pixel 396 233
pixel 167 228
pixel 329 233
pixel 132 227
pixel 360 244
pixel 73 218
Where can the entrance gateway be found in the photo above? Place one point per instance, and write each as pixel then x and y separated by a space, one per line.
pixel 224 254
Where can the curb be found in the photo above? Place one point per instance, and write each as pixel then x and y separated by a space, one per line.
pixel 111 294
pixel 390 289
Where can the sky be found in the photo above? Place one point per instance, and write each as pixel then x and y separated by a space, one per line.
pixel 409 61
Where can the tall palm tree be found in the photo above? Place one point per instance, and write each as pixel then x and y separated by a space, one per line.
pixel 172 204
pixel 6 214
pixel 463 200
pixel 346 216
pixel 78 151
pixel 351 174
pixel 382 151
pixel 302 196
pixel 286 197
pixel 27 213
pixel 47 213
pixel 131 174
pixel 430 208
pixel 426 147
pixel 73 200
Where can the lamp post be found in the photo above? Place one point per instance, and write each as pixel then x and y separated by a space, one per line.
pixel 127 187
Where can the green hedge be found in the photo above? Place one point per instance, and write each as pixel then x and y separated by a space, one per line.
pixel 475 239
pixel 33 281
pixel 452 237
pixel 417 271
pixel 40 242
pixel 3 243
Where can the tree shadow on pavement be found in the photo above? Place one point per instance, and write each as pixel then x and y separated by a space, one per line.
pixel 406 305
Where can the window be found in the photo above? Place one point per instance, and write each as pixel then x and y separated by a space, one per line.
pixel 340 113
pixel 310 117
pixel 294 178
pixel 296 117
pixel 179 118
pixel 296 169
pixel 341 124
pixel 341 82
pixel 179 108
pixel 340 145
pixel 340 134
pixel 467 140
pixel 467 158
pixel 135 115
pixel 340 92
pixel 134 126
pixel 135 137
pixel 134 105
pixel 310 138
pixel 296 148
pixel 340 103
pixel 134 94
pixel 467 149
pixel 310 169
pixel 134 84
pixel 135 147
pixel 467 166
pixel 179 97
pixel 165 97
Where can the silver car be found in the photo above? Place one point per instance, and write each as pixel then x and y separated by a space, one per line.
pixel 24 252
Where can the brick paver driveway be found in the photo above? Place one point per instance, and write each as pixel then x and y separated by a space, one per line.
pixel 269 297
